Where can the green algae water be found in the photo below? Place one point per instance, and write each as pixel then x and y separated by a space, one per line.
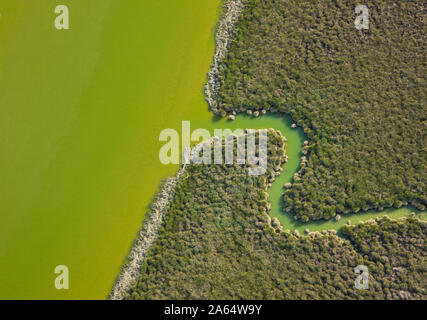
pixel 81 111
pixel 80 115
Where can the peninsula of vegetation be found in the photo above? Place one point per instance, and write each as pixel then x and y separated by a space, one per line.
pixel 218 242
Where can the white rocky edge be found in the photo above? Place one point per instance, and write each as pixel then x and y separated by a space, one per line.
pixel 146 237
pixel 232 12
pixel 149 231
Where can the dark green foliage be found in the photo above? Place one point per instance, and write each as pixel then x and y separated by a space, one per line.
pixel 359 95
pixel 216 243
pixel 395 254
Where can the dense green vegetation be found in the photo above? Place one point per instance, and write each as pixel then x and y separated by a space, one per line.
pixel 217 242
pixel 359 95
pixel 395 253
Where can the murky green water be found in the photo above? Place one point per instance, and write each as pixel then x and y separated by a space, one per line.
pixel 80 115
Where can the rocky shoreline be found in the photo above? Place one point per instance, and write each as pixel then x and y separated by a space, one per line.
pixel 149 231
pixel 232 12
pixel 146 237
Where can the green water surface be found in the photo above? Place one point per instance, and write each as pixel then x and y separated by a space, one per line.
pixel 80 115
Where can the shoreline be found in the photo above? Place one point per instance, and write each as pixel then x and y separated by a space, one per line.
pixel 223 35
pixel 146 237
pixel 149 230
